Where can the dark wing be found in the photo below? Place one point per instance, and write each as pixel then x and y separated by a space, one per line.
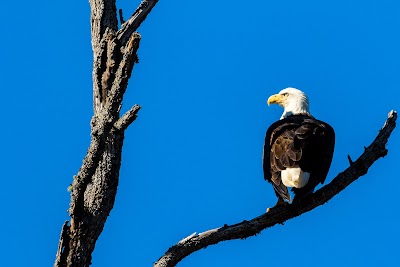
pixel 297 141
pixel 279 153
pixel 317 141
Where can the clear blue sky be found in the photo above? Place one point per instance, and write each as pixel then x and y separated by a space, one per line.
pixel 192 160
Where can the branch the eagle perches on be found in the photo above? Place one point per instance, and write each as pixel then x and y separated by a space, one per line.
pixel 94 188
pixel 194 242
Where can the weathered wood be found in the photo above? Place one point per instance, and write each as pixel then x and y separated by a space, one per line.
pixel 103 18
pixel 245 229
pixel 89 217
pixel 133 23
pixel 127 118
pixel 94 188
pixel 62 253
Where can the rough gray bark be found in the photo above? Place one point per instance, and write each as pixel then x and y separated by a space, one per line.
pixel 245 229
pixel 94 188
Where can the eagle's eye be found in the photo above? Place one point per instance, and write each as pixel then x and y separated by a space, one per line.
pixel 285 94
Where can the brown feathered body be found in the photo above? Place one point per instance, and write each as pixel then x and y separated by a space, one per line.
pixel 298 141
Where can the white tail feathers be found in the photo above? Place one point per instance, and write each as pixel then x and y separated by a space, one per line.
pixel 294 177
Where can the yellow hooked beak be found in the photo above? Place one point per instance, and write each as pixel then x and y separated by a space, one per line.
pixel 275 99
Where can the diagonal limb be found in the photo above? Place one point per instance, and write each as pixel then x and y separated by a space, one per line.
pixel 245 229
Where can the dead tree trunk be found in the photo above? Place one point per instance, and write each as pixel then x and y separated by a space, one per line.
pixel 94 188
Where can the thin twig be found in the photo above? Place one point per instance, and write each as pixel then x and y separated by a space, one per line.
pixel 350 160
pixel 121 17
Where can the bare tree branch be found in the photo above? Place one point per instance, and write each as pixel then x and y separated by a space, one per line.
pixel 103 18
pixel 135 20
pixel 127 118
pixel 124 71
pixel 87 170
pixel 64 240
pixel 245 229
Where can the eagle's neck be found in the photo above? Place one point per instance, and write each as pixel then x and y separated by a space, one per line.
pixel 296 108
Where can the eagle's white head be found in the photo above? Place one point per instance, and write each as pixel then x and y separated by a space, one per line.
pixel 292 100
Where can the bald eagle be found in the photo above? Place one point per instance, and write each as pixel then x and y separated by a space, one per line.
pixel 298 148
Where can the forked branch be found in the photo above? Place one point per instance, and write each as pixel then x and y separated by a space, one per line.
pixel 131 25
pixel 245 229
